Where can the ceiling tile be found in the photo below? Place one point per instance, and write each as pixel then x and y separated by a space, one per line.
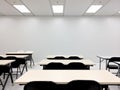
pixel 7 9
pixel 71 7
pixel 76 7
pixel 111 8
pixel 39 7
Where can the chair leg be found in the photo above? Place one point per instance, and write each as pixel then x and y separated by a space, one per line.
pixel 9 74
pixel 118 72
pixel 105 87
pixel 5 82
pixel 31 61
pixel 1 82
pixel 17 74
pixel 25 66
pixel 3 75
pixel 20 70
pixel 11 77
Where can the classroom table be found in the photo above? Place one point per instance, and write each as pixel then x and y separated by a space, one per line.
pixel 21 57
pixel 4 63
pixel 103 77
pixel 29 53
pixel 20 53
pixel 65 56
pixel 17 56
pixel 86 62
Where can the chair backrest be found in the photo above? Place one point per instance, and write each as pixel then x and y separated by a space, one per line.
pixel 1 71
pixel 83 85
pixel 1 57
pixel 4 69
pixel 55 66
pixel 111 63
pixel 10 57
pixel 76 65
pixel 74 57
pixel 59 57
pixel 40 85
pixel 16 63
pixel 112 59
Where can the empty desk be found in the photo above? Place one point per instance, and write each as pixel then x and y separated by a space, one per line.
pixel 65 76
pixel 29 53
pixel 64 56
pixel 22 58
pixel 66 62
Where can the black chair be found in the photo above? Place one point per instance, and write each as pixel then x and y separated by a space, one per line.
pixel 76 65
pixel 111 63
pixel 16 64
pixel 23 62
pixel 54 66
pixel 41 85
pixel 83 85
pixel 74 58
pixel 59 57
pixel 1 57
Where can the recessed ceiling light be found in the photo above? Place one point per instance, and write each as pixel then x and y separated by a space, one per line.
pixel 93 8
pixel 22 8
pixel 57 8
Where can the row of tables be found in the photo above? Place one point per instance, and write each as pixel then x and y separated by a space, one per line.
pixel 64 76
pixel 103 77
pixel 4 63
pixel 29 53
pixel 86 62
pixel 21 55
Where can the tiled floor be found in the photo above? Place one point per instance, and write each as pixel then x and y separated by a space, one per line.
pixel 9 86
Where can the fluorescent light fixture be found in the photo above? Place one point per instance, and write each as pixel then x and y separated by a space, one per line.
pixel 22 8
pixel 93 8
pixel 57 8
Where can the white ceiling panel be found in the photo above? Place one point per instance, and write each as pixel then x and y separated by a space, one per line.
pixel 111 8
pixel 97 2
pixel 76 7
pixel 7 9
pixel 71 7
pixel 38 7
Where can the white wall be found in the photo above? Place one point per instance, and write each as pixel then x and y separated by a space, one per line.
pixel 88 36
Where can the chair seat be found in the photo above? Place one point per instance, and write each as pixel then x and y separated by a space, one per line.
pixel 113 67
